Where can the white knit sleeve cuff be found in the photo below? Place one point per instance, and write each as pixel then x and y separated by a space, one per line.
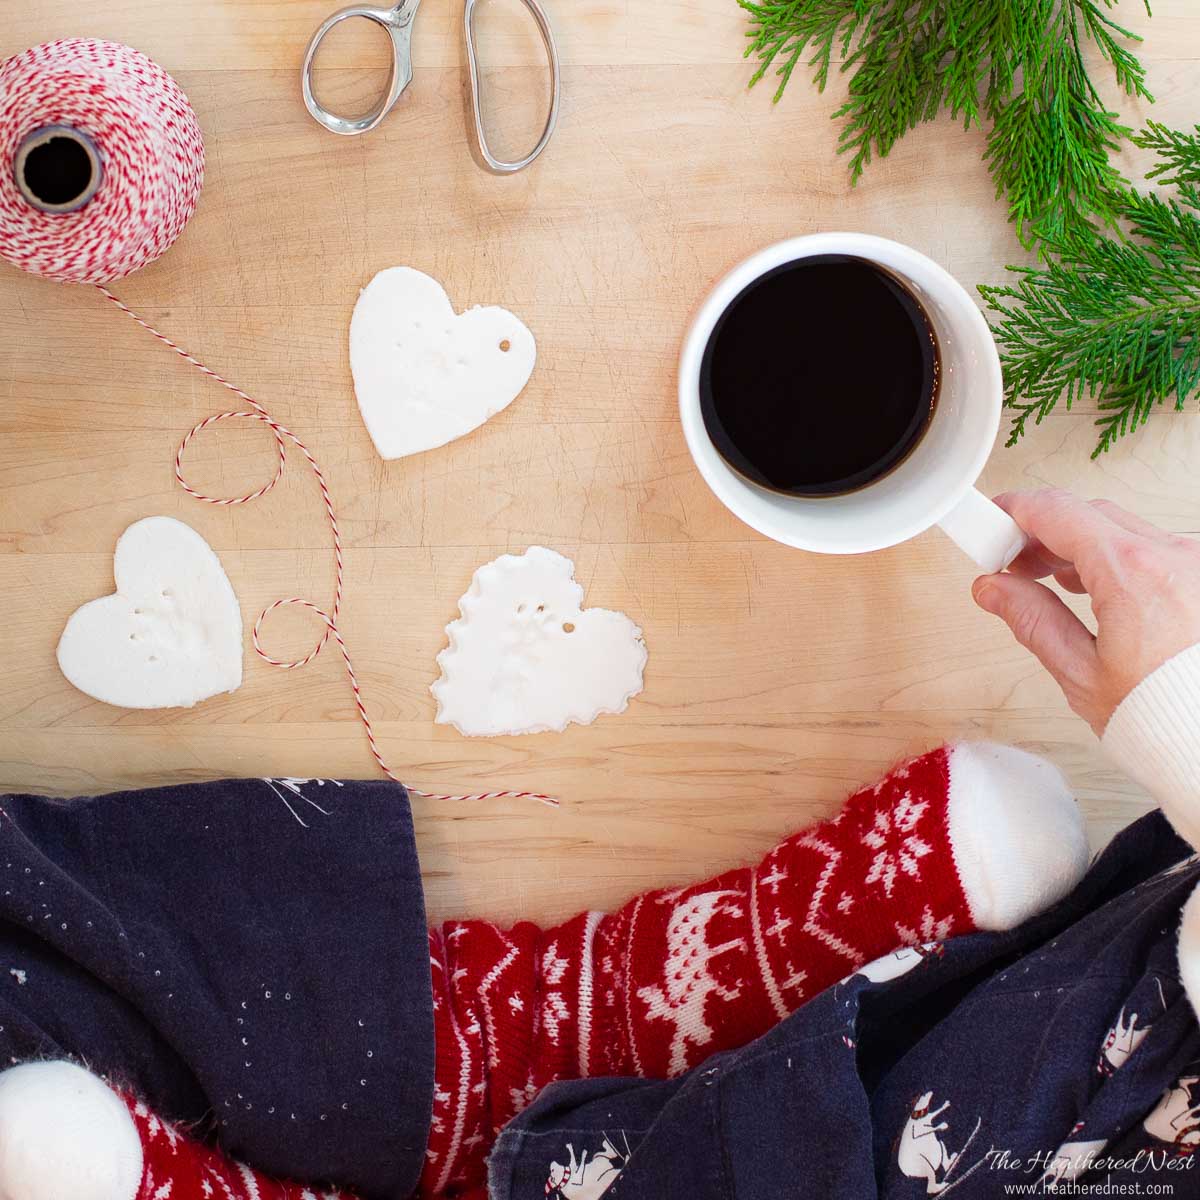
pixel 1154 737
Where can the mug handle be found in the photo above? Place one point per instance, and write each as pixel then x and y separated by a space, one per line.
pixel 984 531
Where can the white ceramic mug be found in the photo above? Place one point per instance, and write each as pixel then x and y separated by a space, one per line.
pixel 934 485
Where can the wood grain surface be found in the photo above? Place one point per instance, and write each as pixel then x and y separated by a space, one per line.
pixel 777 680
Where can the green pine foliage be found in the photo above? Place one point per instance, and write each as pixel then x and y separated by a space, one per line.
pixel 1113 318
pixel 1017 65
pixel 1111 313
pixel 1179 153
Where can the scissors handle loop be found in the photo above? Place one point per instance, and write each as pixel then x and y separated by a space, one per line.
pixel 484 155
pixel 398 22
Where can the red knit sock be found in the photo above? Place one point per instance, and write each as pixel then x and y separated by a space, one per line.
pixel 679 974
pixel 174 1167
pixel 972 837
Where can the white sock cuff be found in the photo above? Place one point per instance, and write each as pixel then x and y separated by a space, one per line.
pixel 65 1135
pixel 1018 837
pixel 1189 949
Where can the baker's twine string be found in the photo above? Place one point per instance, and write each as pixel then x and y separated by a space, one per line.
pixel 330 619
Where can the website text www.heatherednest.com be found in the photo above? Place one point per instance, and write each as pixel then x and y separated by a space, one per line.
pixel 1080 1170
pixel 1071 1187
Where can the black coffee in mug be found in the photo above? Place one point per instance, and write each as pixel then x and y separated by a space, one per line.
pixel 820 377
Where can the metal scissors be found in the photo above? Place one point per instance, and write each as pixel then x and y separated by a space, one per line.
pixel 398 23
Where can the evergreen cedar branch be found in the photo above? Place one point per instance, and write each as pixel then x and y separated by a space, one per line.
pixel 1114 315
pixel 1111 317
pixel 1016 63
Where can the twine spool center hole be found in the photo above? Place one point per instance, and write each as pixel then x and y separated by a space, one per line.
pixel 57 169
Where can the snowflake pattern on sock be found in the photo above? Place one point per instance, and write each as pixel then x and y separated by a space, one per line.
pixel 679 974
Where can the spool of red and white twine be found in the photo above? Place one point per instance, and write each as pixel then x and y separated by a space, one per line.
pixel 101 166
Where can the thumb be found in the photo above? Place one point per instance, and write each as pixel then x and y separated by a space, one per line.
pixel 1044 625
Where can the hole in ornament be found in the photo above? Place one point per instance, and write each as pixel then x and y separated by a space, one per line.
pixel 506 346
pixel 568 627
pixel 153 658
pixel 166 593
pixel 520 608
pixel 541 608
pixel 133 637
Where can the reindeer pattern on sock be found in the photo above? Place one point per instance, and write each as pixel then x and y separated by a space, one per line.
pixel 687 981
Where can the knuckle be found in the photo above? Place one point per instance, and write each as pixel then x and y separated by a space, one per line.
pixel 1025 621
pixel 1056 497
pixel 1140 557
pixel 1053 504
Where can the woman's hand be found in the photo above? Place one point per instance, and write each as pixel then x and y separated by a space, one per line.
pixel 1144 586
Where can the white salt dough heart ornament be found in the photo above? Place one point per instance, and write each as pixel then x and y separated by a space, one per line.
pixel 425 375
pixel 524 658
pixel 171 634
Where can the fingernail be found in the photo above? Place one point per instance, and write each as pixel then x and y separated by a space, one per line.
pixel 981 589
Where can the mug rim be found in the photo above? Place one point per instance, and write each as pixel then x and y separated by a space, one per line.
pixel 725 483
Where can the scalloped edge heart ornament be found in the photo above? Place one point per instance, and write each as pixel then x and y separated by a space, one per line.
pixel 524 657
